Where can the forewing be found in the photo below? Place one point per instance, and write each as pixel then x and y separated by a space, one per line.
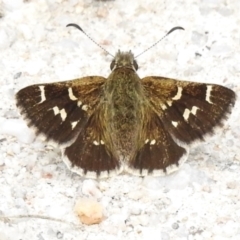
pixel 59 111
pixel 188 110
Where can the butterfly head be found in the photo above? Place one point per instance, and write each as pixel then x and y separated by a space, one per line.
pixel 124 60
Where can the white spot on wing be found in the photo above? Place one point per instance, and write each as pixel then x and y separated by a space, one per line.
pixel 98 143
pixel 153 142
pixel 208 94
pixel 71 95
pixel 174 123
pixel 79 103
pixel 187 112
pixel 194 110
pixel 62 112
pixel 74 124
pixel 56 110
pixel 43 97
pixel 85 107
pixel 163 106
pixel 178 95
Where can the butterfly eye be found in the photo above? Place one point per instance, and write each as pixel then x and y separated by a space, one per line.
pixel 112 64
pixel 135 65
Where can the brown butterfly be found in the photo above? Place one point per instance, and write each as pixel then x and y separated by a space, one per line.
pixel 107 125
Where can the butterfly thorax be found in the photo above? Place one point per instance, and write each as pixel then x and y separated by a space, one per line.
pixel 124 103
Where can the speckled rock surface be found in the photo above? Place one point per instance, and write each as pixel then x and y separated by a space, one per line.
pixel 200 201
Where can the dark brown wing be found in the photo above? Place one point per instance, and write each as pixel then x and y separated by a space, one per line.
pixel 188 110
pixel 159 152
pixel 178 113
pixel 59 111
pixel 71 114
pixel 92 154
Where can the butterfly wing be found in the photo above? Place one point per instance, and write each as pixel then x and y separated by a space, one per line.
pixel 70 114
pixel 58 111
pixel 181 113
pixel 188 110
pixel 158 152
pixel 92 154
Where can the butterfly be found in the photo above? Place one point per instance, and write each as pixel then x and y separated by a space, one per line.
pixel 123 123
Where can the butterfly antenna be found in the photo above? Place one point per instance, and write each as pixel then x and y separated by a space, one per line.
pixel 79 28
pixel 172 30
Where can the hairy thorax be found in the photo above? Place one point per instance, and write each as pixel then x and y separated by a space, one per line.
pixel 124 109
